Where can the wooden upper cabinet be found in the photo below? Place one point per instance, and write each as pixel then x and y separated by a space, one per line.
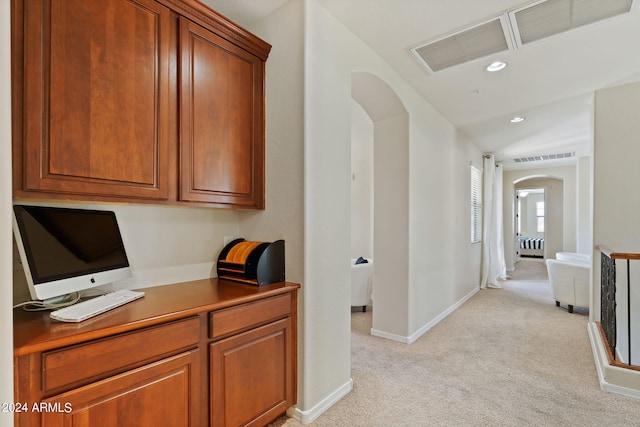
pixel 221 120
pixel 137 100
pixel 95 103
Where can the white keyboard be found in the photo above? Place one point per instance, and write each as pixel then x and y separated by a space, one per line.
pixel 87 309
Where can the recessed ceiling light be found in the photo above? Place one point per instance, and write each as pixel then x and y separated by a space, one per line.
pixel 517 119
pixel 496 66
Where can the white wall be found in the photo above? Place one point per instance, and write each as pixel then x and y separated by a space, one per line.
pixel 584 232
pixel 6 313
pixel 283 217
pixel 327 174
pixel 361 183
pixel 391 228
pixel 444 265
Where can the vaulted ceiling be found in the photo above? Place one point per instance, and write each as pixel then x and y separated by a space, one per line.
pixel 556 60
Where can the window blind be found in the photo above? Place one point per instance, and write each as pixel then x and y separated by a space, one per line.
pixel 476 205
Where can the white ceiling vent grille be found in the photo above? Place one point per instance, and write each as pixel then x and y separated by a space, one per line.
pixel 545 157
pixel 464 46
pixel 552 17
pixel 513 29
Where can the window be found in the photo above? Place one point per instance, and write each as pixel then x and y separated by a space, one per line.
pixel 540 215
pixel 476 204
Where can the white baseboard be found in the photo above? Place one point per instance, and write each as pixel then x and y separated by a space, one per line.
pixel 416 335
pixel 307 417
pixel 623 391
pixel 390 336
pixel 605 370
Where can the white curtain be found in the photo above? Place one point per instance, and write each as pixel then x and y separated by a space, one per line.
pixel 493 264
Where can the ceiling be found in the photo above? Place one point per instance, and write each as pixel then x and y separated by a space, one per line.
pixel 550 81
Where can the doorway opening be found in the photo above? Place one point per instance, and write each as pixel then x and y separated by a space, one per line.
pixel 537 220
pixel 530 223
pixel 380 201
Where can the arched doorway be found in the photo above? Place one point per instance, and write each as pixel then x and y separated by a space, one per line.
pixel 389 201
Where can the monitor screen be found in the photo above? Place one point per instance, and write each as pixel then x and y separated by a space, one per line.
pixel 67 250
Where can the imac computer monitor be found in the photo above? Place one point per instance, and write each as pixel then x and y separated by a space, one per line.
pixel 68 250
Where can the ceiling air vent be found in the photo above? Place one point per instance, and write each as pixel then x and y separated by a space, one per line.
pixel 545 157
pixel 464 46
pixel 513 29
pixel 552 17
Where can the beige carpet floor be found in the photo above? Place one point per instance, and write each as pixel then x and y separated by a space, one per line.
pixel 507 357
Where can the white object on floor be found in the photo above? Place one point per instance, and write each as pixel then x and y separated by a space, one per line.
pixel 569 282
pixel 361 283
pixel 90 308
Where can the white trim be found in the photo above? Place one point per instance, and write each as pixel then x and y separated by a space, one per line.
pixel 603 367
pixel 416 335
pixel 623 391
pixel 390 336
pixel 599 353
pixel 6 268
pixel 307 417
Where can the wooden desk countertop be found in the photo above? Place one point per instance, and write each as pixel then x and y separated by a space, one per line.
pixel 36 331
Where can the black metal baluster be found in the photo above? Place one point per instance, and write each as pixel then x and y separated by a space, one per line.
pixel 608 301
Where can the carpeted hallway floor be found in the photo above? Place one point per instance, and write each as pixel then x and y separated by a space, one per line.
pixel 507 357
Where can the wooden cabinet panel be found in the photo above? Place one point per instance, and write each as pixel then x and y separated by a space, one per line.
pixel 96 88
pixel 221 120
pixel 252 376
pixel 235 319
pixel 160 394
pixel 87 361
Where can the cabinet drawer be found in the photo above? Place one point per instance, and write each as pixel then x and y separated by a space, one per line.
pixel 89 361
pixel 244 316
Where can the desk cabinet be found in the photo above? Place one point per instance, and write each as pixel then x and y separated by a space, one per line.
pixel 259 356
pixel 199 353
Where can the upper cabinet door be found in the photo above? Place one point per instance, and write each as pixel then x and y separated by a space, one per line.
pixel 221 121
pixel 95 105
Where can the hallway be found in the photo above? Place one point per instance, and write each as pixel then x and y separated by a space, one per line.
pixel 506 357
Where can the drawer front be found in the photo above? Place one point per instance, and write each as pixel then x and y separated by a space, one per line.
pixel 86 362
pixel 229 320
